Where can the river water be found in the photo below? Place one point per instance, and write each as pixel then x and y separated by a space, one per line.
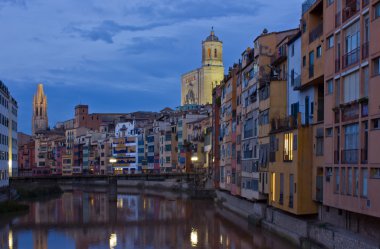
pixel 87 219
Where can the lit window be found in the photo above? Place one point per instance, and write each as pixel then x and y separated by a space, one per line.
pixel 288 147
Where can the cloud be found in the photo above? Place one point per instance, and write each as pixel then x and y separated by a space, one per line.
pixel 98 52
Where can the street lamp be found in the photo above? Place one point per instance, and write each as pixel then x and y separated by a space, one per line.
pixel 112 161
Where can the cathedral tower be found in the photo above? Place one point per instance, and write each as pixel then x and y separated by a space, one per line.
pixel 197 85
pixel 39 118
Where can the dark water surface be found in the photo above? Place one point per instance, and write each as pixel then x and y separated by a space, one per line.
pixel 82 220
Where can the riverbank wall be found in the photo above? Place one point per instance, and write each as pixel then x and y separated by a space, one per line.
pixel 307 233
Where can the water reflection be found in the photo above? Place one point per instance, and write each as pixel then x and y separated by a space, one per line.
pixel 85 220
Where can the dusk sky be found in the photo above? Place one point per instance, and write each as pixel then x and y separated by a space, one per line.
pixel 121 55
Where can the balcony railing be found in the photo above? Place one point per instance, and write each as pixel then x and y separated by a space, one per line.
pixel 364 156
pixel 283 123
pixel 316 33
pixel 365 3
pixel 338 19
pixel 297 82
pixel 352 7
pixel 336 157
pixel 337 65
pixel 311 71
pixel 351 57
pixel 350 156
pixel 365 50
pixel 281 200
pixel 350 112
pixel 307 5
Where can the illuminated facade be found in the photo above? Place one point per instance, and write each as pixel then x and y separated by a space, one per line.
pixel 197 85
pixel 40 117
pixel 8 135
pixel 125 149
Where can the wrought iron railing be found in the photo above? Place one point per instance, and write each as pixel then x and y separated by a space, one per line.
pixel 350 156
pixel 316 33
pixel 351 57
pixel 351 8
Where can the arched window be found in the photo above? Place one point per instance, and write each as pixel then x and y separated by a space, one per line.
pixel 40 111
pixel 215 53
pixel 36 111
pixel 209 53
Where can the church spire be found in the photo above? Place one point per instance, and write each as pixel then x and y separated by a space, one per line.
pixel 40 117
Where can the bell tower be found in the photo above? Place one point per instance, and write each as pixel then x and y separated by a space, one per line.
pixel 212 51
pixel 40 117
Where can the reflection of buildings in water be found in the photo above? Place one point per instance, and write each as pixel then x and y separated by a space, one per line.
pixel 40 239
pixel 138 221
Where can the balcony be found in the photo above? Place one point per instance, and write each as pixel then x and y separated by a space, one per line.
pixel 365 3
pixel 319 190
pixel 352 7
pixel 316 33
pixel 337 65
pixel 365 50
pixel 338 19
pixel 364 156
pixel 311 71
pixel 351 57
pixel 281 200
pixel 297 82
pixel 350 156
pixel 281 124
pixel 350 112
pixel 307 5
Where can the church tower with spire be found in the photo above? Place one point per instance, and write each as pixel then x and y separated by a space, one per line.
pixel 40 117
pixel 197 85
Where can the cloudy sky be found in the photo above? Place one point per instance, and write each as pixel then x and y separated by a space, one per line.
pixel 121 55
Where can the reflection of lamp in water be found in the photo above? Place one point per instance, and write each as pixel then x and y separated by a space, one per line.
pixel 194 237
pixel 113 240
pixel 120 203
pixel 10 239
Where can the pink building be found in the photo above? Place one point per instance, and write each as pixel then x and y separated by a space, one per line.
pixel 352 114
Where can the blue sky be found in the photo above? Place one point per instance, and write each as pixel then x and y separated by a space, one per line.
pixel 121 55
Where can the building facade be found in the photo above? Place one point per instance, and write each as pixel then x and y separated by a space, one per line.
pixel 8 136
pixel 197 85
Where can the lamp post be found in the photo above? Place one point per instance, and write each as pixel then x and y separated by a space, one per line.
pixel 112 161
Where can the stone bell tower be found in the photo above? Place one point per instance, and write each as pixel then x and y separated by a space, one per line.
pixel 40 117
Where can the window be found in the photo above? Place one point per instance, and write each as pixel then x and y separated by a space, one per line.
pixel 329 2
pixel 292 77
pixel 376 123
pixel 337 180
pixel 319 52
pixel 288 147
pixel 356 190
pixel 329 132
pixel 292 49
pixel 349 186
pixel 377 10
pixel 365 182
pixel 343 189
pixel 304 61
pixel 376 66
pixel 351 87
pixel 330 87
pixel 330 41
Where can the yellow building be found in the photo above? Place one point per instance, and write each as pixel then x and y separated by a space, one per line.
pixel 291 166
pixel 197 84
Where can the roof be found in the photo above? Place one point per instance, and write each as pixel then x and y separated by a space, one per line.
pixel 212 37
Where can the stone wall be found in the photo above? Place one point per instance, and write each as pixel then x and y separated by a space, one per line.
pixel 306 233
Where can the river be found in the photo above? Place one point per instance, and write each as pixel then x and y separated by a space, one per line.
pixel 87 219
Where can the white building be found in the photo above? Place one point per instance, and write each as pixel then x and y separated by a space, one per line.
pixel 8 136
pixel 125 149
